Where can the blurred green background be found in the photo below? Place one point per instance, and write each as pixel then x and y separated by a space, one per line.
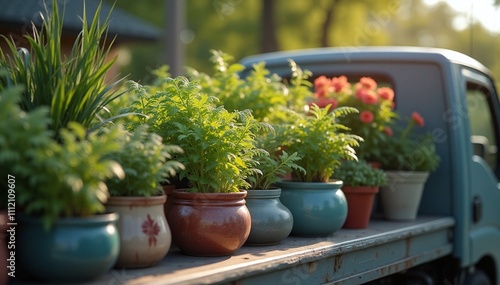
pixel 246 27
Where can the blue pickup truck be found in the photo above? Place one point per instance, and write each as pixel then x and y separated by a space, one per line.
pixel 455 239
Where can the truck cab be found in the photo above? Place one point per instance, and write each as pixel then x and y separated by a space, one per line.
pixel 457 97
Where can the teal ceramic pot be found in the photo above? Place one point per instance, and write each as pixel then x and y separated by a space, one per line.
pixel 318 209
pixel 272 222
pixel 73 250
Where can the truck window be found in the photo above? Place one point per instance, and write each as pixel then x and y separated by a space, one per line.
pixel 482 124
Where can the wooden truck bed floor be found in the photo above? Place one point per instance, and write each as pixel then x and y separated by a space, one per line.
pixel 347 257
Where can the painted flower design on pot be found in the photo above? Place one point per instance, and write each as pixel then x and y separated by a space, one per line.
pixel 151 229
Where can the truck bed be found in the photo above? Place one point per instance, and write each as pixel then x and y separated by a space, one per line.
pixel 347 257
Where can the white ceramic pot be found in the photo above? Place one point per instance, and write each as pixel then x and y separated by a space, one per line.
pixel 145 236
pixel 400 199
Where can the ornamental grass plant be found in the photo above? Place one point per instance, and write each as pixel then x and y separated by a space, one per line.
pixel 72 86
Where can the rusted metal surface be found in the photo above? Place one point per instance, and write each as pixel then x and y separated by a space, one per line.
pixel 347 257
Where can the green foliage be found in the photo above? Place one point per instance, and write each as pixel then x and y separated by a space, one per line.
pixel 360 173
pixel 54 179
pixel 262 92
pixel 146 161
pixel 409 152
pixel 72 86
pixel 318 140
pixel 22 135
pixel 219 146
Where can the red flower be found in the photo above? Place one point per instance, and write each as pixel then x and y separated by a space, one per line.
pixel 368 83
pixel 322 86
pixel 322 102
pixel 417 119
pixel 340 83
pixel 386 93
pixel 367 96
pixel 366 117
pixel 388 131
pixel 151 229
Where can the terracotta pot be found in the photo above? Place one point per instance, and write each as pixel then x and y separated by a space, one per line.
pixel 272 222
pixel 401 197
pixel 209 224
pixel 360 204
pixel 145 236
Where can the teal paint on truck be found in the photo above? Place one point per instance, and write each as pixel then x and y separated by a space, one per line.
pixel 435 83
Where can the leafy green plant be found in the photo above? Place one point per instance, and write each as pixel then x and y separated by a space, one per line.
pixel 317 139
pixel 271 169
pixel 360 173
pixel 406 151
pixel 72 86
pixel 146 161
pixel 219 146
pixel 54 179
pixel 262 92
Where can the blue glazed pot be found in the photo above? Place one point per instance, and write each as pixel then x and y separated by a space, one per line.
pixel 272 222
pixel 318 209
pixel 73 250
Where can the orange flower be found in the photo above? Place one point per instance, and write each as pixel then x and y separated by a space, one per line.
pixel 368 83
pixel 366 117
pixel 388 131
pixel 386 93
pixel 340 83
pixel 417 119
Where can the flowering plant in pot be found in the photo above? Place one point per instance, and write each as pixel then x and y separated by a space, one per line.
pixel 318 140
pixel 361 183
pixel 375 106
pixel 138 198
pixel 219 149
pixel 408 159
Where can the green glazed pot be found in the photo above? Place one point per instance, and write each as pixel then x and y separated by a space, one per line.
pixel 272 222
pixel 318 209
pixel 73 250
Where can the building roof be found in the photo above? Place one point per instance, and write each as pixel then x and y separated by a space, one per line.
pixel 18 15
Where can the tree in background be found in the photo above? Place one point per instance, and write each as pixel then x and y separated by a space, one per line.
pixel 241 28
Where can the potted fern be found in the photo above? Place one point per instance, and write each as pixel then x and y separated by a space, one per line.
pixel 138 198
pixel 271 220
pixel 58 161
pixel 59 193
pixel 218 156
pixel 317 203
pixel 361 184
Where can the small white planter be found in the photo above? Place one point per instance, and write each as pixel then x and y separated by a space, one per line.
pixel 401 197
pixel 145 236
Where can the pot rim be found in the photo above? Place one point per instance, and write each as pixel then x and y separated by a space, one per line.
pixel 360 189
pixel 100 218
pixel 136 200
pixel 295 185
